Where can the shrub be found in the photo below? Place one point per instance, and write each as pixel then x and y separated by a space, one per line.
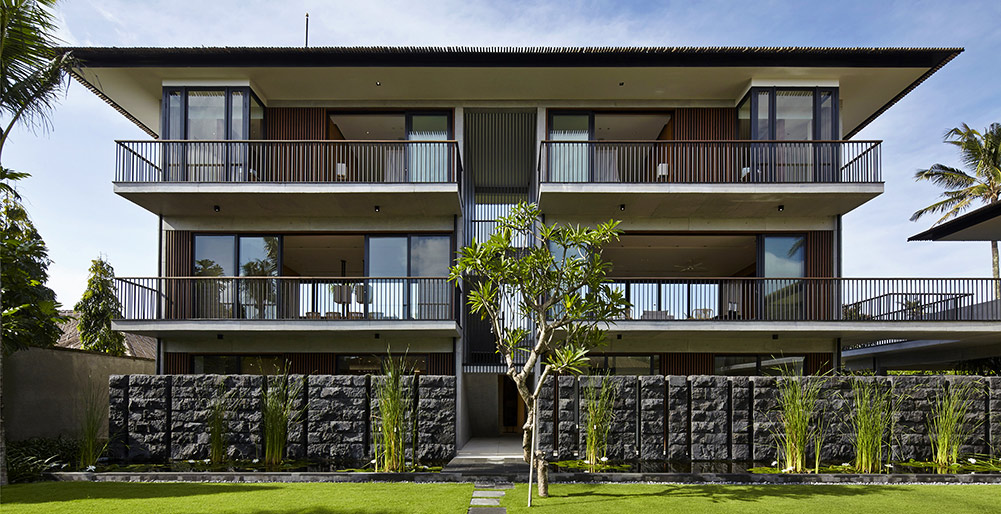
pixel 599 413
pixel 281 396
pixel 28 459
pixel 872 418
pixel 799 419
pixel 948 426
pixel 389 427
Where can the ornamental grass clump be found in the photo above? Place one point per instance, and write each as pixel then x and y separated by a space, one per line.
pixel 218 417
pixel 599 405
pixel 390 423
pixel 281 398
pixel 94 407
pixel 948 425
pixel 799 419
pixel 872 418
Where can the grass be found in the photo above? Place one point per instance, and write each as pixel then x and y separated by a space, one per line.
pixel 280 398
pixel 874 411
pixel 103 498
pixel 798 416
pixel 598 408
pixel 815 499
pixel 948 426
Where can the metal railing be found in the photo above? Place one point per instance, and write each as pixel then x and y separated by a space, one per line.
pixel 709 162
pixel 288 161
pixel 811 299
pixel 282 298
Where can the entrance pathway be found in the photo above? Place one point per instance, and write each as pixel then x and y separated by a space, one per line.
pixel 486 497
pixel 489 456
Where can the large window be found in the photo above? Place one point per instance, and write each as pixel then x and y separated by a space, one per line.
pixel 213 116
pixel 624 364
pixel 229 256
pixel 751 365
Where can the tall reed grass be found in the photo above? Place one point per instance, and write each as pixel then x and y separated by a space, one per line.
pixel 599 412
pixel 799 419
pixel 948 425
pixel 94 410
pixel 389 425
pixel 218 407
pixel 281 398
pixel 872 419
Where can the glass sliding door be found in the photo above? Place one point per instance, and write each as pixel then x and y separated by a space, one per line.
pixel 783 265
pixel 214 257
pixel 259 258
pixel 206 121
pixel 570 156
pixel 386 294
pixel 429 257
pixel 428 162
pixel 794 122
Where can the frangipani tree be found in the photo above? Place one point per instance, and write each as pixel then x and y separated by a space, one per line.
pixel 558 283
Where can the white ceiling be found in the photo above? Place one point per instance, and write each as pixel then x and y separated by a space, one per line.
pixel 321 255
pixel 629 127
pixel 667 255
pixel 384 127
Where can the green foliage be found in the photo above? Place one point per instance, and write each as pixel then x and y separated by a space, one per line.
pixel 98 306
pixel 94 407
pixel 281 398
pixel 599 413
pixel 28 459
pixel 949 426
pixel 981 153
pixel 218 407
pixel 390 425
pixel 874 408
pixel 30 311
pixel 799 418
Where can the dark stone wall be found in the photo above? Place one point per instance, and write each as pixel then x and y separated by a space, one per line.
pixel 715 418
pixel 547 416
pixel 161 417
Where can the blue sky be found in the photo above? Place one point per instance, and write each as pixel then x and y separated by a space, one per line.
pixel 70 195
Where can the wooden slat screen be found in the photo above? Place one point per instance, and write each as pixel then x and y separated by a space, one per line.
pixel 177 295
pixel 176 363
pixel 686 363
pixel 705 124
pixel 441 364
pixel 295 123
pixel 818 363
pixel 820 295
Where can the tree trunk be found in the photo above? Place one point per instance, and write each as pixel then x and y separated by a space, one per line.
pixel 542 469
pixel 994 261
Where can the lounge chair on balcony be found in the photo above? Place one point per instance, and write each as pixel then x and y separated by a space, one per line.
pixel 657 315
pixel 333 315
pixel 341 171
pixel 703 314
pixel 312 315
pixel 662 172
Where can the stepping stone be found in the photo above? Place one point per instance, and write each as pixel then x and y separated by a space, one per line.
pixel 488 494
pixel 487 510
pixel 485 502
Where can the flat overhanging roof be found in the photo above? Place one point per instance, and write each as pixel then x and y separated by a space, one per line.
pixel 871 79
pixel 983 224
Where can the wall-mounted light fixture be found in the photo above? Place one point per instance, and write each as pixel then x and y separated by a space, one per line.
pixel 622 206
pixel 377 83
pixel 215 208
pixel 376 208
pixel 782 208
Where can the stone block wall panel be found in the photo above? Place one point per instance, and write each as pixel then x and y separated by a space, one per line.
pixel 834 405
pixel 710 424
pixel 191 399
pixel 149 418
pixel 678 429
pixel 337 418
pixel 740 418
pixel 653 425
pixel 118 416
pixel 764 418
pixel 566 418
pixel 915 394
pixel 547 416
pixel 994 414
pixel 436 418
pixel 976 414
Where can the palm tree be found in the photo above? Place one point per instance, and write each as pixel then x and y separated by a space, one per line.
pixel 981 154
pixel 31 76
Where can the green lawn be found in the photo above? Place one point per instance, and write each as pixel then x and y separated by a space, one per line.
pixel 785 499
pixel 183 498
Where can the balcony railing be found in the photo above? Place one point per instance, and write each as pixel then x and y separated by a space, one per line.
pixel 811 299
pixel 709 162
pixel 281 298
pixel 405 162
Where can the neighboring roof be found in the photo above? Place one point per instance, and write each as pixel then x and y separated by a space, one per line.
pixel 143 347
pixel 983 224
pixel 106 57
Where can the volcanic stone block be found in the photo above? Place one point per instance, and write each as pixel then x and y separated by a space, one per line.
pixel 191 399
pixel 566 418
pixel 547 416
pixel 976 413
pixel 678 434
pixel 915 394
pixel 709 414
pixel 337 418
pixel 149 417
pixel 834 409
pixel 118 416
pixel 436 415
pixel 994 414
pixel 740 418
pixel 653 398
pixel 764 418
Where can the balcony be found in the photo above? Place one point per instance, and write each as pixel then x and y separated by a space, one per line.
pixel 165 306
pixel 291 178
pixel 871 308
pixel 708 178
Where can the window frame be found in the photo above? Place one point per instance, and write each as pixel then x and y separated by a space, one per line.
pixel 752 97
pixel 227 91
